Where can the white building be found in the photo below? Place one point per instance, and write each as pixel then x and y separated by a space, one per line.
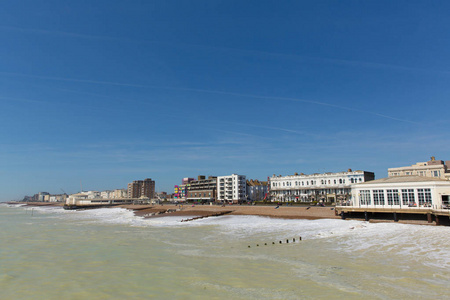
pixel 119 194
pixel 58 198
pixel 327 187
pixel 106 194
pixel 231 188
pixel 402 192
pixel 43 196
pixel 93 194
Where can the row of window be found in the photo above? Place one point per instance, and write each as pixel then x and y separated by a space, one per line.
pixel 392 197
pixel 420 173
pixel 317 192
pixel 313 182
pixel 200 195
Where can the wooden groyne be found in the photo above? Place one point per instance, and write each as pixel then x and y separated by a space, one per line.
pixel 218 214
pixel 280 242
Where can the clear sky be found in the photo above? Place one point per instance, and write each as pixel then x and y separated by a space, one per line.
pixel 107 92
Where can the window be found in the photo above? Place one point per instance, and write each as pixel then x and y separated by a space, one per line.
pixel 340 181
pixel 408 197
pixel 392 197
pixel 335 181
pixel 364 198
pixel 378 197
pixel 424 196
pixel 351 180
pixel 436 173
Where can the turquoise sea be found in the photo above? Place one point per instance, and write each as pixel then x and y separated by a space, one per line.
pixel 49 253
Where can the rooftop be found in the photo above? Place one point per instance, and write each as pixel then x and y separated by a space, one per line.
pixel 408 178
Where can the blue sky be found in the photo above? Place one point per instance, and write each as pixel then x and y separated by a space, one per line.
pixel 107 92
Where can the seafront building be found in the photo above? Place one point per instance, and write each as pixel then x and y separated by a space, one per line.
pixel 232 188
pixel 257 190
pixel 326 187
pixel 180 191
pixel 432 168
pixel 409 192
pixel 114 194
pixel 141 188
pixel 58 198
pixel 405 197
pixel 43 197
pixel 202 190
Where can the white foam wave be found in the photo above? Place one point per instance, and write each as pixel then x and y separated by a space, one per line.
pixel 429 244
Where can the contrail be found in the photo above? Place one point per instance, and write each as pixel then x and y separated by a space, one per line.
pixel 295 57
pixel 210 92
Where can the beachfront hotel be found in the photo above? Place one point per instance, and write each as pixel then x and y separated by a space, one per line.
pixel 327 187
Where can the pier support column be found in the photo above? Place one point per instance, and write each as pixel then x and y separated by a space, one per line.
pixel 437 220
pixel 395 217
pixel 430 220
pixel 366 216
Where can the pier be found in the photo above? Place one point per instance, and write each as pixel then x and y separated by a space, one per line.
pixel 430 215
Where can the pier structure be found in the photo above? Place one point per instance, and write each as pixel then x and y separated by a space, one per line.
pixel 399 198
pixel 82 200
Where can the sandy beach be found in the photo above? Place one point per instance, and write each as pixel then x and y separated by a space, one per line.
pixel 287 212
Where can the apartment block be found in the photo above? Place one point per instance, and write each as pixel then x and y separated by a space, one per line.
pixel 231 188
pixel 202 190
pixel 139 188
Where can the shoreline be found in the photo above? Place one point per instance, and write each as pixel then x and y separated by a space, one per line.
pixel 283 212
pixel 204 211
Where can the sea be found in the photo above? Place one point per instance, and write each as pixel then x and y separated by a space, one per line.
pixel 51 253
